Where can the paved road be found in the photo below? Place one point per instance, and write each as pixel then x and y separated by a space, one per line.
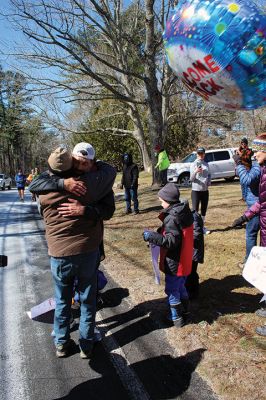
pixel 132 362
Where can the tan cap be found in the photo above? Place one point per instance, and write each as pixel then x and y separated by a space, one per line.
pixel 60 160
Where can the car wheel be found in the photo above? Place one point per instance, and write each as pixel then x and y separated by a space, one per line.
pixel 9 187
pixel 230 179
pixel 3 187
pixel 184 180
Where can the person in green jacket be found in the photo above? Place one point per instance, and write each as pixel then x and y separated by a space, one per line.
pixel 162 164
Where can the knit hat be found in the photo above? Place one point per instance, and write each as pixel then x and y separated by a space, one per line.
pixel 85 150
pixel 259 143
pixel 244 140
pixel 169 193
pixel 200 150
pixel 60 160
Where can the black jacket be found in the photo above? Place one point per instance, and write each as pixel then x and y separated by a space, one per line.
pixel 100 181
pixel 130 176
pixel 175 218
pixel 102 206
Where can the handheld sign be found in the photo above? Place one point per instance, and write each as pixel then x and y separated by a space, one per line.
pixel 255 268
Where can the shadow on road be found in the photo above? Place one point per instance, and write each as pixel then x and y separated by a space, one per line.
pixel 163 377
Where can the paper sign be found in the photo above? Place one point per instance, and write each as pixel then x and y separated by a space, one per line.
pixel 255 268
pixel 155 252
pixel 44 307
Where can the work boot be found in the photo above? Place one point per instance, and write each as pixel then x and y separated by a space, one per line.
pixel 129 211
pixel 262 311
pixel 63 350
pixel 261 330
pixel 175 315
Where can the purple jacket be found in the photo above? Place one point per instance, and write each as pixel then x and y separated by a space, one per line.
pixel 260 207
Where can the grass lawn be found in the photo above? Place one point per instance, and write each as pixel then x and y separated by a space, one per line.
pixel 223 319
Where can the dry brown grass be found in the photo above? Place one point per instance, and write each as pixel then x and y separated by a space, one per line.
pixel 223 323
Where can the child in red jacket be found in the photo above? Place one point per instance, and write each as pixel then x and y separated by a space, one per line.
pixel 175 237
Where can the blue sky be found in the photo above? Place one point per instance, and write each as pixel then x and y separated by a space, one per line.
pixel 8 38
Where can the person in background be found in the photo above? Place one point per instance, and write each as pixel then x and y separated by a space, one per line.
pixel 200 178
pixel 192 282
pixel 129 181
pixel 245 155
pixel 30 178
pixel 249 176
pixel 20 180
pixel 162 163
pixel 258 208
pixel 175 237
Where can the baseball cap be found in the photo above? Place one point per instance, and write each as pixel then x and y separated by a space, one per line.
pixel 200 150
pixel 85 150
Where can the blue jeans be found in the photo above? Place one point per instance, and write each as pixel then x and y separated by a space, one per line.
pixel 132 194
pixel 175 288
pixel 252 229
pixel 64 270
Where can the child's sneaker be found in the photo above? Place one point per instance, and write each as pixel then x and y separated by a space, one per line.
pixel 63 350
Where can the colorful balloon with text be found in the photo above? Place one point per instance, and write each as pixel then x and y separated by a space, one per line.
pixel 218 49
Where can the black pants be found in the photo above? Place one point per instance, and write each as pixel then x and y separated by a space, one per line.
pixel 163 177
pixel 200 198
pixel 192 282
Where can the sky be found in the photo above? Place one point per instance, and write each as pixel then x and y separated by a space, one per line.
pixel 10 39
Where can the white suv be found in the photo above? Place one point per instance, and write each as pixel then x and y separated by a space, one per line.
pixel 220 162
pixel 5 182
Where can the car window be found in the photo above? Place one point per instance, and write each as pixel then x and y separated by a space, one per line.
pixel 221 155
pixel 190 158
pixel 1 176
pixel 208 157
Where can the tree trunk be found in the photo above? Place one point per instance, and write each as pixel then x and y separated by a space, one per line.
pixel 140 138
pixel 154 96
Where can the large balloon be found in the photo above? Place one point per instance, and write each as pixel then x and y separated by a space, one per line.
pixel 218 49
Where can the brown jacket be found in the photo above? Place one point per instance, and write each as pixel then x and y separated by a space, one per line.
pixel 68 236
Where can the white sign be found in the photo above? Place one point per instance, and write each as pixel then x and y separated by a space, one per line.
pixel 44 307
pixel 255 268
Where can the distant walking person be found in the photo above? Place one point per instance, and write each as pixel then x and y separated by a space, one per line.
pixel 201 179
pixel 162 163
pixel 30 178
pixel 20 179
pixel 129 181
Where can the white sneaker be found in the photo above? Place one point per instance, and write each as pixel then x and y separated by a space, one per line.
pixel 206 231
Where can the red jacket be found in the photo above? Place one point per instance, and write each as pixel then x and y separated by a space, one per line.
pixel 175 238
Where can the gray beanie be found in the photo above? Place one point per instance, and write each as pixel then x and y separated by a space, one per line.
pixel 169 193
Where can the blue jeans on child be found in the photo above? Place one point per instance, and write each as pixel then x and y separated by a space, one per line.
pixel 64 270
pixel 132 195
pixel 175 289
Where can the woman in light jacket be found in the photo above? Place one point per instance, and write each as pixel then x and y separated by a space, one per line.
pixel 200 178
